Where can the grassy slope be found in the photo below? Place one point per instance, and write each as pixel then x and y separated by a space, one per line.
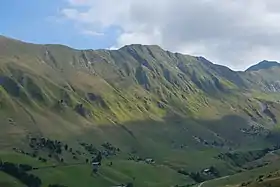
pixel 140 87
pixel 7 181
pixel 273 182
pixel 123 171
pixel 239 178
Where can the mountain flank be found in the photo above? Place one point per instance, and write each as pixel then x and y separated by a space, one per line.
pixel 263 65
pixel 149 116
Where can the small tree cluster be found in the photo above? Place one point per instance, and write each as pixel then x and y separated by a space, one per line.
pixel 20 172
pixel 110 148
pixel 90 148
pixel 196 177
pixel 54 146
pixel 98 158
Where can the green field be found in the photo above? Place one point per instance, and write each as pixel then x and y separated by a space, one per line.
pixel 196 120
pixel 8 181
pixel 80 174
pixel 243 176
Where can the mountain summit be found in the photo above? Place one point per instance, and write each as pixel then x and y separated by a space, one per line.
pixel 151 107
pixel 265 64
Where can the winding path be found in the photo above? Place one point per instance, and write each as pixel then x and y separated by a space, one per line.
pixel 201 184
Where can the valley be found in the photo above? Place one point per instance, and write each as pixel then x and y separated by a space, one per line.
pixel 145 116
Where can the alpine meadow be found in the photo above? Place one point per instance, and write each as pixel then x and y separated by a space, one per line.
pixel 138 116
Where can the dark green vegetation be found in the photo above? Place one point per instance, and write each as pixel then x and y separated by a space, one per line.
pixel 148 116
pixel 270 180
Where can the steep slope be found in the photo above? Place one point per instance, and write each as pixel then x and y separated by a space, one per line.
pixel 134 83
pixel 264 76
pixel 162 77
pixel 263 65
pixel 147 101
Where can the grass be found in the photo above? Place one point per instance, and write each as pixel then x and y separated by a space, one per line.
pixel 8 181
pixel 71 176
pixel 18 158
pixel 273 182
pixel 122 171
pixel 128 114
pixel 243 177
pixel 148 175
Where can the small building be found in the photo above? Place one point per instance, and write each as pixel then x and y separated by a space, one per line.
pixel 149 161
pixel 207 171
pixel 95 166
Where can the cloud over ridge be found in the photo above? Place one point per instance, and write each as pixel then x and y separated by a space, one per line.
pixel 234 33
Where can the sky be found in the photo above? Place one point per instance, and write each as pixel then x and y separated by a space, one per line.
pixel 234 33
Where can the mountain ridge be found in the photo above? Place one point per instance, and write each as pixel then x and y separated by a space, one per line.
pixel 104 84
pixel 131 46
pixel 148 102
pixel 265 64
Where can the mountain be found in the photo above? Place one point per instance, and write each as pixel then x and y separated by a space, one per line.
pixel 132 105
pixel 263 65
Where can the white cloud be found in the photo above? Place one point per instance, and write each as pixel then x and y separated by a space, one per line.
pixel 92 33
pixel 79 2
pixel 234 33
